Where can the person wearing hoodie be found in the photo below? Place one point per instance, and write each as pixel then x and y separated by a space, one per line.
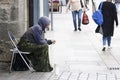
pixel 33 41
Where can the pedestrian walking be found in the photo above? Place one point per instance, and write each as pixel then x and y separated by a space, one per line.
pixel 109 16
pixel 76 8
pixel 33 41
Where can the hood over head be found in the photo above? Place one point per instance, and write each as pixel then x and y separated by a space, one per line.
pixel 44 22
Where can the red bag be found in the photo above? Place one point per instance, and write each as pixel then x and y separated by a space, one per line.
pixel 85 19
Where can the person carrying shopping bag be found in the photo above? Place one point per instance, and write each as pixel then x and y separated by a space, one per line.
pixel 77 9
pixel 109 16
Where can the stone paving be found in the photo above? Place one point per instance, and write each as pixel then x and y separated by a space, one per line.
pixel 65 75
pixel 83 48
pixel 76 55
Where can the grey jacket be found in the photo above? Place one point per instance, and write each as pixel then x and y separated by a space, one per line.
pixel 35 34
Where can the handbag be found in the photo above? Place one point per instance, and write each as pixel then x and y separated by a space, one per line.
pixel 99 30
pixel 85 19
pixel 98 16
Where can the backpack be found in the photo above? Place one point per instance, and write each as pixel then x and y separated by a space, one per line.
pixel 98 16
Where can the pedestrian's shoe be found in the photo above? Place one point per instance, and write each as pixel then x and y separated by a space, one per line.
pixel 109 47
pixel 75 29
pixel 103 49
pixel 79 29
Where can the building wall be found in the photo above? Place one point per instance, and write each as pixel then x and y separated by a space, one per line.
pixel 41 7
pixel 13 18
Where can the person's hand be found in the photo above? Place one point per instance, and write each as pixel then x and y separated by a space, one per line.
pixel 53 41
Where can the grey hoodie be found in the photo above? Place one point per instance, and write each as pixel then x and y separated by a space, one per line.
pixel 44 22
pixel 35 34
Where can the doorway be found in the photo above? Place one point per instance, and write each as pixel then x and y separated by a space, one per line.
pixel 30 13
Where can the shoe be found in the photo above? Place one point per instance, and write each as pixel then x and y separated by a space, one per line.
pixel 79 29
pixel 103 49
pixel 109 47
pixel 75 30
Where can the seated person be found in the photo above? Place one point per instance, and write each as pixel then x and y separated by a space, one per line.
pixel 33 41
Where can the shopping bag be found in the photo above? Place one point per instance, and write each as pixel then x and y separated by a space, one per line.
pixel 99 30
pixel 98 16
pixel 85 19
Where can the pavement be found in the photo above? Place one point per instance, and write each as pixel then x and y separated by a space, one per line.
pixel 81 50
pixel 76 55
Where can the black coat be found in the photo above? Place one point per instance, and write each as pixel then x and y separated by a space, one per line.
pixel 109 16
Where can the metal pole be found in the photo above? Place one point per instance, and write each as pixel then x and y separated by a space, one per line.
pixel 36 11
pixel 51 15
pixel 46 8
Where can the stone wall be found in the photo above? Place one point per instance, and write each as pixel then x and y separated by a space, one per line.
pixel 12 18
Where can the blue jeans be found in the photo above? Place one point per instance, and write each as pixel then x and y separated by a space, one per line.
pixel 74 14
pixel 106 39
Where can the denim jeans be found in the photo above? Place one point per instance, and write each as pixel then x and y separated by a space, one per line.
pixel 106 39
pixel 74 14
